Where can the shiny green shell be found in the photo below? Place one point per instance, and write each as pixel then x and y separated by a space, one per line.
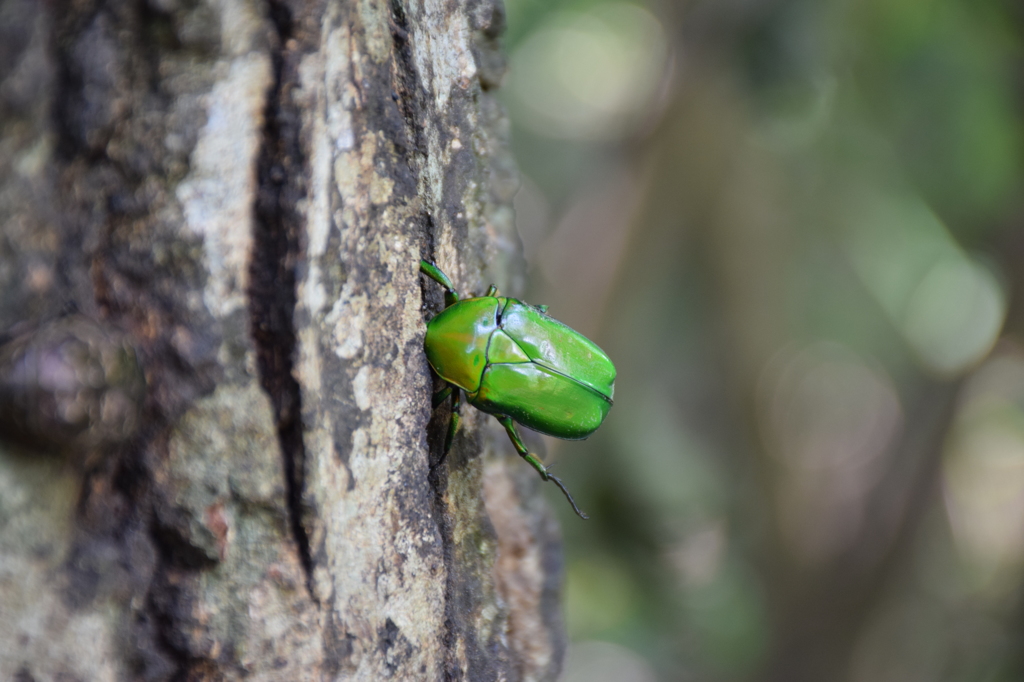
pixel 512 359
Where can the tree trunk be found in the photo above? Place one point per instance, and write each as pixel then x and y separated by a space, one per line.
pixel 217 453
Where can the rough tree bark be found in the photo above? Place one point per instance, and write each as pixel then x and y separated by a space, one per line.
pixel 217 455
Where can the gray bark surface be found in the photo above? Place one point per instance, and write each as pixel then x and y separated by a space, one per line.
pixel 217 453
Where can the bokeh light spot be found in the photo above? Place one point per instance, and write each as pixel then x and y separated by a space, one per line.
pixel 605 662
pixel 591 74
pixel 948 306
pixel 983 472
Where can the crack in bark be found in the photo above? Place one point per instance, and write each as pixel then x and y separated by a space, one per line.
pixel 437 469
pixel 437 476
pixel 439 483
pixel 406 94
pixel 272 295
pixel 408 101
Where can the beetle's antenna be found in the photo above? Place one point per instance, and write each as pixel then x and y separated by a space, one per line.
pixel 561 486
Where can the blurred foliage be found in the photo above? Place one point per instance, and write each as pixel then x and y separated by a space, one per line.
pixel 795 225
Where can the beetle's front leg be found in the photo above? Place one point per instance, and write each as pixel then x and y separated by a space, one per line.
pixel 451 297
pixel 517 442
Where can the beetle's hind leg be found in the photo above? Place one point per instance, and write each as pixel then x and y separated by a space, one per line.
pixel 513 434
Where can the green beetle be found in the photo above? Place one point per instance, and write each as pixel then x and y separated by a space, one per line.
pixel 518 364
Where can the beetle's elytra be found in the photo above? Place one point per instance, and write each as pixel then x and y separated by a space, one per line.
pixel 515 362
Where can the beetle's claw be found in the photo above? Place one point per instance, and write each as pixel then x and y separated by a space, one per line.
pixel 561 486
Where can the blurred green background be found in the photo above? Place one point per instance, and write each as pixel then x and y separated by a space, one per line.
pixel 796 227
